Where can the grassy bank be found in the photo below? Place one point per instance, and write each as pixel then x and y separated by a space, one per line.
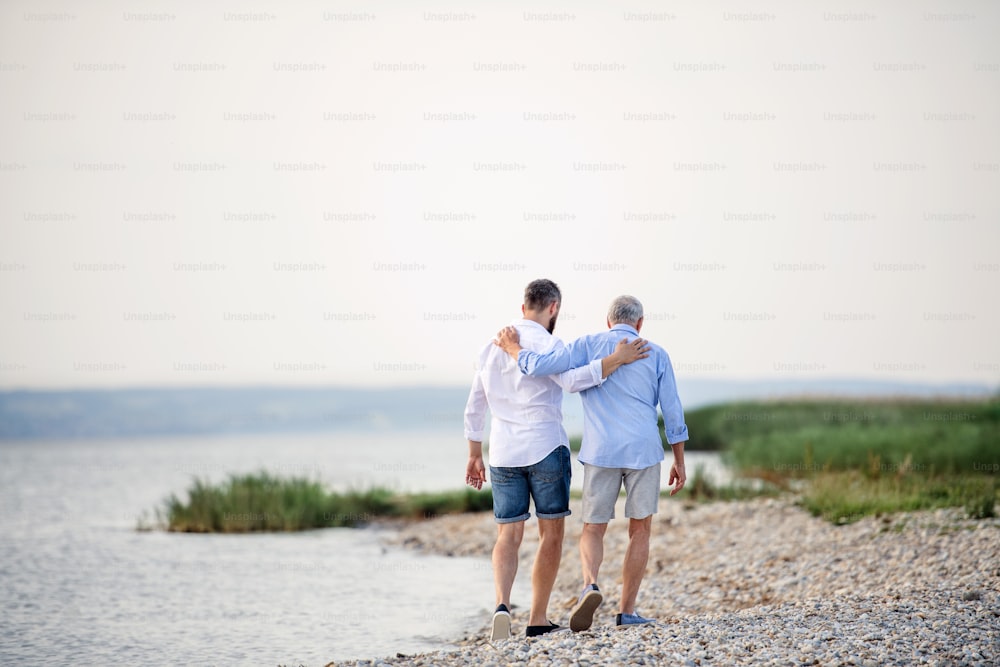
pixel 858 458
pixel 262 502
pixel 925 437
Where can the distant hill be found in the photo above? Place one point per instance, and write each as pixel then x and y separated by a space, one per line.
pixel 179 411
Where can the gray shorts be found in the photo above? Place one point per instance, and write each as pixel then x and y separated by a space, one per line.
pixel 601 487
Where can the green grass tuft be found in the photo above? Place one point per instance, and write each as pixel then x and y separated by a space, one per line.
pixel 262 502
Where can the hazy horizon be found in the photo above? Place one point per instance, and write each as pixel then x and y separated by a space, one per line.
pixel 194 411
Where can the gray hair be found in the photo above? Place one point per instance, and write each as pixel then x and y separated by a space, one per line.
pixel 625 310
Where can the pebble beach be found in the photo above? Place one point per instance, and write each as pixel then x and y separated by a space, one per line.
pixel 757 582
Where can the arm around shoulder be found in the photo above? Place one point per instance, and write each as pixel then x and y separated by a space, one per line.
pixel 625 353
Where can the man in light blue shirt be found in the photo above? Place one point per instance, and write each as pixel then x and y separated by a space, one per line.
pixel 621 445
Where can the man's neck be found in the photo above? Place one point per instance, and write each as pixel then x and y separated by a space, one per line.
pixel 535 317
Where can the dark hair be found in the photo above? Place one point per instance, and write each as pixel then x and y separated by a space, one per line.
pixel 540 294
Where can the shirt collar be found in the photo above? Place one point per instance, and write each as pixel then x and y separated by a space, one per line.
pixel 625 327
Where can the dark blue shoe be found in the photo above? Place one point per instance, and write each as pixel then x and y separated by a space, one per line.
pixel 582 615
pixel 631 619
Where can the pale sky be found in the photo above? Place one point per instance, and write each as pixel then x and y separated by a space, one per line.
pixel 308 193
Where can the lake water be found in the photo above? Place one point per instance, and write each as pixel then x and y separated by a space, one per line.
pixel 79 584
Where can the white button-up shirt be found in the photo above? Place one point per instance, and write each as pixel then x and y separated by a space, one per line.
pixel 526 412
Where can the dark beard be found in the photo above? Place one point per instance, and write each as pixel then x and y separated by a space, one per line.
pixel 552 325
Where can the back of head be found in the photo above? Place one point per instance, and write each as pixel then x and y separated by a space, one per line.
pixel 625 310
pixel 540 294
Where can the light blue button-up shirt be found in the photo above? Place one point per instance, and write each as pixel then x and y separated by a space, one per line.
pixel 619 427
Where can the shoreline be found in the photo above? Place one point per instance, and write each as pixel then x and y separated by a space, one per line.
pixel 752 582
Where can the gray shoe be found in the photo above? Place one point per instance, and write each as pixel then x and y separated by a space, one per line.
pixel 582 615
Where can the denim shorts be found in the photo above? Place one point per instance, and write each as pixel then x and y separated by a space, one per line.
pixel 547 482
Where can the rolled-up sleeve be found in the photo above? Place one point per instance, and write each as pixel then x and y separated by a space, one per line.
pixel 583 377
pixel 670 405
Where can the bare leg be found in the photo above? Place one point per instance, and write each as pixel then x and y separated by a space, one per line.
pixel 543 575
pixel 509 537
pixel 592 550
pixel 636 557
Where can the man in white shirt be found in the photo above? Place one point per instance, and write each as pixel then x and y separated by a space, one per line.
pixel 529 449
